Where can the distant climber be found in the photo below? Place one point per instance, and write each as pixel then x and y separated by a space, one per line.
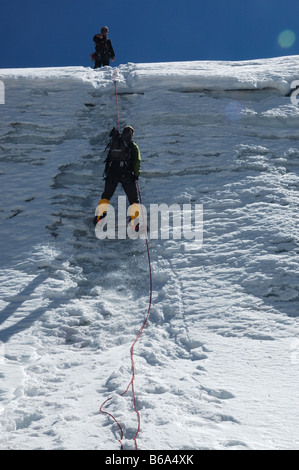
pixel 103 49
pixel 122 166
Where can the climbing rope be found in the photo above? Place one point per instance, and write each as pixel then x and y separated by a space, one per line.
pixel 131 383
pixel 116 100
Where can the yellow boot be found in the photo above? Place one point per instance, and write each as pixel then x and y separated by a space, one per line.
pixel 101 210
pixel 134 212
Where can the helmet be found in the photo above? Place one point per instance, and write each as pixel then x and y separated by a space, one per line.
pixel 104 28
pixel 128 129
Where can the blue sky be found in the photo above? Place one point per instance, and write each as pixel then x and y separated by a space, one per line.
pixel 38 33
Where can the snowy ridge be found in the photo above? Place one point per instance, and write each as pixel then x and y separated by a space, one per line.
pixel 217 366
pixel 277 74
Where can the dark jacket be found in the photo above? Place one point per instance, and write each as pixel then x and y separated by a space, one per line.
pixel 103 46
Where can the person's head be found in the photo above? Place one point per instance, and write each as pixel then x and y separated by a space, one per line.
pixel 127 133
pixel 104 30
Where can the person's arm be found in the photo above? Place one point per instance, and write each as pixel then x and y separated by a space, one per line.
pixel 111 51
pixel 136 159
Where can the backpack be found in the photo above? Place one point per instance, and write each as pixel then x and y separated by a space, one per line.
pixel 119 149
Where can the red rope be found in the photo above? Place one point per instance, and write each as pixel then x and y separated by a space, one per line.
pixel 131 383
pixel 116 99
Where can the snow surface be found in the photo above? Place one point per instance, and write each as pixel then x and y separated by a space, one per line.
pixel 217 365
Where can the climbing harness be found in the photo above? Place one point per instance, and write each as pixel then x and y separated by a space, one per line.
pixel 131 383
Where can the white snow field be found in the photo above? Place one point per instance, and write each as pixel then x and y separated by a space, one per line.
pixel 217 365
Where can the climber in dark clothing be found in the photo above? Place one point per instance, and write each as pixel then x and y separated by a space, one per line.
pixel 125 169
pixel 104 50
pixel 122 166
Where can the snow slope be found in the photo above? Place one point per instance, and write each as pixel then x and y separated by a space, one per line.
pixel 217 365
